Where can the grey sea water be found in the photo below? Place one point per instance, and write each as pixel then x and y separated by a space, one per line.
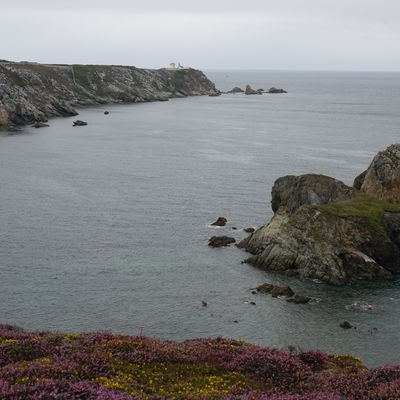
pixel 105 227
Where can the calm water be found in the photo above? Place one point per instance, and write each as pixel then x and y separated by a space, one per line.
pixel 105 227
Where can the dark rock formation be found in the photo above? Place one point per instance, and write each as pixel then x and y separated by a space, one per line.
pixel 275 90
pixel 346 325
pixel 220 241
pixel 249 230
pixel 106 112
pixel 235 90
pixel 33 92
pixel 79 123
pixel 382 178
pixel 298 299
pixel 323 229
pixel 249 90
pixel 221 221
pixel 40 125
pixel 293 192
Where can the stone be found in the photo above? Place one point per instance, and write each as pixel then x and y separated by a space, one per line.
pixel 40 125
pixel 220 241
pixel 249 230
pixel 106 112
pixel 285 291
pixel 298 299
pixel 293 192
pixel 275 90
pixel 221 221
pixel 79 123
pixel 249 90
pixel 235 90
pixel 346 325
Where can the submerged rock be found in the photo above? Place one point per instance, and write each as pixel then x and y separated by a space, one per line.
pixel 221 221
pixel 220 241
pixel 249 230
pixel 106 112
pixel 79 123
pixel 298 299
pixel 325 230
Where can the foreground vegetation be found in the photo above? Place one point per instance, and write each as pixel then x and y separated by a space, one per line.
pixel 105 366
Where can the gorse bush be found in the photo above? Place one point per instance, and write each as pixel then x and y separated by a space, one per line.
pixel 103 366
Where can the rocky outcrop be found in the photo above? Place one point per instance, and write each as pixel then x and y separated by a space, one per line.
pixel 382 178
pixel 220 241
pixel 292 192
pixel 323 229
pixel 221 221
pixel 31 92
pixel 275 90
pixel 235 90
pixel 250 91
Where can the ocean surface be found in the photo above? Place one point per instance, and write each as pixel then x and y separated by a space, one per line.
pixel 105 227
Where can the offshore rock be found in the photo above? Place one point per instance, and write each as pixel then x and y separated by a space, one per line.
pixel 323 229
pixel 79 123
pixel 221 221
pixel 220 241
pixel 31 92
pixel 250 91
pixel 275 90
pixel 235 90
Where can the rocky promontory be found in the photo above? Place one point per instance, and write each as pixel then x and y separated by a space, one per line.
pixel 323 229
pixel 31 92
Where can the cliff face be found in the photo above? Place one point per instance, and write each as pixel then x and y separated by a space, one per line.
pixel 323 229
pixel 32 92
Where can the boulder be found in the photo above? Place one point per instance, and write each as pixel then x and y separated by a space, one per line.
pixel 249 90
pixel 293 192
pixel 285 291
pixel 221 221
pixel 106 112
pixel 220 241
pixel 382 178
pixel 298 299
pixel 79 123
pixel 346 325
pixel 275 90
pixel 235 90
pixel 249 230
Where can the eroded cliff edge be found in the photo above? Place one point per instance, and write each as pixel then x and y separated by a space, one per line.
pixel 323 229
pixel 31 92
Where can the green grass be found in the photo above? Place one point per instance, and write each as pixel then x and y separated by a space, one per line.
pixel 82 75
pixel 367 210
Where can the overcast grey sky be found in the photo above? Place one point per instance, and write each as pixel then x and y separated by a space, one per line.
pixel 223 34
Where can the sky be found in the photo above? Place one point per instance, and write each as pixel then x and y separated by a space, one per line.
pixel 348 35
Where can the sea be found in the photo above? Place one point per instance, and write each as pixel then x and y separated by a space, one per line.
pixel 105 227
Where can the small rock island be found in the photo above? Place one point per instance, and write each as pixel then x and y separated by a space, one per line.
pixel 323 229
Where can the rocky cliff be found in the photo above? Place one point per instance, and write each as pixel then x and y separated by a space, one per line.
pixel 31 92
pixel 323 229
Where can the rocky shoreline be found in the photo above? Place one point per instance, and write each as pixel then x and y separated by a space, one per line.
pixel 32 93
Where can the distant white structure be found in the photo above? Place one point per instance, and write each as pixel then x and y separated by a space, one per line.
pixel 173 66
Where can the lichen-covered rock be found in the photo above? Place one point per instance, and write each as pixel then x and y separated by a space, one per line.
pixel 31 92
pixel 382 178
